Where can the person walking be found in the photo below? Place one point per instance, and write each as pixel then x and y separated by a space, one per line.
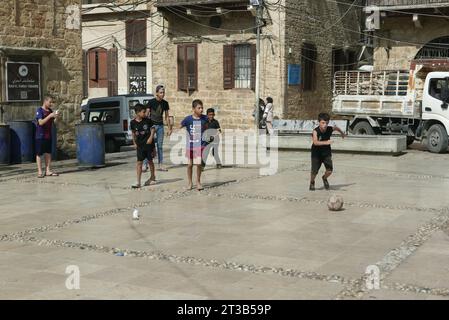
pixel 268 115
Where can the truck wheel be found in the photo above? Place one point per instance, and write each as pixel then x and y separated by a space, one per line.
pixel 110 146
pixel 437 140
pixel 363 127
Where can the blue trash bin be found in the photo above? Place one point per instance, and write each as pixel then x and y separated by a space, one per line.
pixel 22 141
pixel 5 143
pixel 90 147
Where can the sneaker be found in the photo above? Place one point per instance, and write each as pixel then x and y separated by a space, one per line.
pixel 219 166
pixel 326 183
pixel 312 186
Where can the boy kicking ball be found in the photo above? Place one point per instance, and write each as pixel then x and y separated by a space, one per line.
pixel 321 149
pixel 143 140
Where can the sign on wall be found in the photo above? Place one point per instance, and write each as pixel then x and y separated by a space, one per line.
pixel 23 81
pixel 294 74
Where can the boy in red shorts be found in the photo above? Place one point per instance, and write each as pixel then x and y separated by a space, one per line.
pixel 195 125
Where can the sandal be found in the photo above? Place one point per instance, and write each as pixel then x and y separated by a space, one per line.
pixel 136 186
pixel 40 176
pixel 149 182
pixel 52 174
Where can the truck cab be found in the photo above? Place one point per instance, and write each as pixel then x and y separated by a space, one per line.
pixel 115 113
pixel 435 111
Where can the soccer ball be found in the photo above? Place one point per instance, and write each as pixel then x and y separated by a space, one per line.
pixel 335 203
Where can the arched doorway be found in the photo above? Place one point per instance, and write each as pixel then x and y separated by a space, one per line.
pixel 435 49
pixel 433 56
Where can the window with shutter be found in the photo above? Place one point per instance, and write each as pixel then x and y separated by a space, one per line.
pixel 92 65
pixel 182 83
pixel 308 61
pixel 228 67
pixel 136 38
pixel 98 68
pixel 242 66
pixel 187 67
pixel 112 71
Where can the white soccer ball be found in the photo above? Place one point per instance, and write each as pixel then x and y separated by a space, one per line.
pixel 136 214
pixel 335 203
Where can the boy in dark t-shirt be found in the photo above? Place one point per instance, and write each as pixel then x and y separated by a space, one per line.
pixel 143 140
pixel 321 150
pixel 212 138
pixel 160 110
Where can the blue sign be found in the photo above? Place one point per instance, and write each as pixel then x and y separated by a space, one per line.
pixel 294 74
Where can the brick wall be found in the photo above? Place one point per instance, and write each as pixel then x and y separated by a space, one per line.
pixel 41 24
pixel 235 106
pixel 398 55
pixel 319 23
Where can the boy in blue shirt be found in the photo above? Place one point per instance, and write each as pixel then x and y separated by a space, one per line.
pixel 45 117
pixel 196 125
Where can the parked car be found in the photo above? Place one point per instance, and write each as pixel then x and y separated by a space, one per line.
pixel 115 113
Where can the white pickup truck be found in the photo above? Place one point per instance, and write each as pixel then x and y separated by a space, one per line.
pixel 412 103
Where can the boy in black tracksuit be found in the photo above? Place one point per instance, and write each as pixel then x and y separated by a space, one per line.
pixel 321 149
pixel 143 140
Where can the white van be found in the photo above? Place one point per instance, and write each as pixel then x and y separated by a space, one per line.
pixel 115 113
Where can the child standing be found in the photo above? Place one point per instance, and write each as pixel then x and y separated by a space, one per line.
pixel 143 140
pixel 321 149
pixel 45 117
pixel 212 137
pixel 195 125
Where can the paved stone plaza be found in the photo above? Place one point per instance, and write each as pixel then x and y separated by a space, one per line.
pixel 244 237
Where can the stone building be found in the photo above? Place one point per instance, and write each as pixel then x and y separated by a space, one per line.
pixel 45 37
pixel 206 50
pixel 116 52
pixel 405 32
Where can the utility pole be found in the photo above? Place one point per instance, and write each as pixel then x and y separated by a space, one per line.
pixel 259 16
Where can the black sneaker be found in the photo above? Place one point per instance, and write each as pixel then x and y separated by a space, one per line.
pixel 312 186
pixel 326 183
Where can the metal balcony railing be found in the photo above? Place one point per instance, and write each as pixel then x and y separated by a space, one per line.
pixel 404 4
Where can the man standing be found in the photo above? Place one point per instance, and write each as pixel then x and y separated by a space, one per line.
pixel 45 117
pixel 159 109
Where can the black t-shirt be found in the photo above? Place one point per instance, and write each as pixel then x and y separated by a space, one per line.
pixel 322 151
pixel 212 130
pixel 142 130
pixel 157 109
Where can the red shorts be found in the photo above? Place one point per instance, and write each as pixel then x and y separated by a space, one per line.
pixel 195 153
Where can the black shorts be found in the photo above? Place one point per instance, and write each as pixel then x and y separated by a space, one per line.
pixel 146 152
pixel 318 160
pixel 43 146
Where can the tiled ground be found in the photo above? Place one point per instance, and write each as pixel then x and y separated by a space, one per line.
pixel 244 237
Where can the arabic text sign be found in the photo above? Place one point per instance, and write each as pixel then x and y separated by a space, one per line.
pixel 23 81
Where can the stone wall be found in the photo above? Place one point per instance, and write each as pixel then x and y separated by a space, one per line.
pixel 324 24
pixel 398 55
pixel 235 106
pixel 40 26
